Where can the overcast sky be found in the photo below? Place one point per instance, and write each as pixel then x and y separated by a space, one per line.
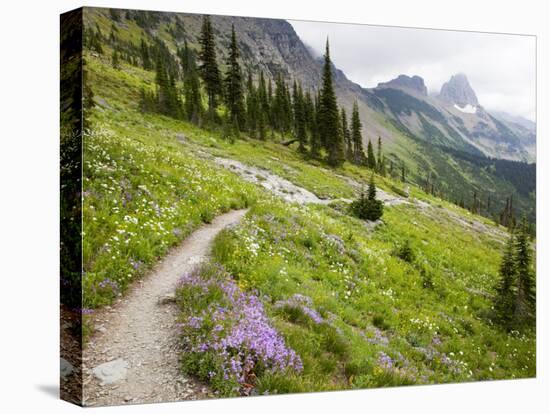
pixel 500 68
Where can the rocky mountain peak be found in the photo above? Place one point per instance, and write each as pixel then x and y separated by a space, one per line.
pixel 458 91
pixel 415 83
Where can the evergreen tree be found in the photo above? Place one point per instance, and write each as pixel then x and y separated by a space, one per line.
pixel 506 216
pixel 309 111
pixel 299 117
pixel 295 107
pixel 382 166
pixel 191 86
pixel 371 159
pixel 115 60
pixel 525 303
pixel 185 54
pixel 147 102
pixel 329 128
pixel 269 97
pixel 209 67
pixel 281 109
pixel 346 134
pixel 368 207
pixel 504 301
pixel 379 155
pixel 233 85
pixel 358 154
pixel 168 101
pixel 145 55
pixel 315 140
pixel 252 106
pixel 263 107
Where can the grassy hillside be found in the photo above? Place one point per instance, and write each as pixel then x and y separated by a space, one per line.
pixel 349 309
pixel 298 297
pixel 454 177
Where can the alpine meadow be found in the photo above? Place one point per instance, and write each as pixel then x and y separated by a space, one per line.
pixel 240 217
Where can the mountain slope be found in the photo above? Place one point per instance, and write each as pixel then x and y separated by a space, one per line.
pixel 419 132
pixel 333 289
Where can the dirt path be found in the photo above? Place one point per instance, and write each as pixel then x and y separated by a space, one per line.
pixel 134 355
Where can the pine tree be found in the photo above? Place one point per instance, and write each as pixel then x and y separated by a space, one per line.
pixel 145 55
pixel 368 207
pixel 525 301
pixel 299 116
pixel 315 140
pixel 371 159
pixel 346 134
pixel 281 109
pixel 474 208
pixel 295 107
pixel 270 105
pixel 382 166
pixel 168 101
pixel 209 67
pixel 147 102
pixel 191 86
pixel 357 139
pixel 185 54
pixel 309 111
pixel 329 128
pixel 263 107
pixel 504 300
pixel 288 113
pixel 234 97
pixel 251 106
pixel 115 60
pixel 379 157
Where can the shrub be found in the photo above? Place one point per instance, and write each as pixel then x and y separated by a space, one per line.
pixel 406 252
pixel 368 207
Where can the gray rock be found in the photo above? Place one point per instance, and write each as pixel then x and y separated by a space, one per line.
pixel 415 83
pixel 338 242
pixel 458 91
pixel 371 225
pixel 111 372
pixel 181 138
pixel 167 298
pixel 65 368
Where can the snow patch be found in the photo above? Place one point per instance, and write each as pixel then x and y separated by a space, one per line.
pixel 467 109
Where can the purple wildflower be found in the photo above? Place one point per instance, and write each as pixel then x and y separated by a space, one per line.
pixel 85 311
pixel 385 361
pixel 238 332
pixel 109 283
pixel 304 303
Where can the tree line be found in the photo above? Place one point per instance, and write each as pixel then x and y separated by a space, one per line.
pixel 191 86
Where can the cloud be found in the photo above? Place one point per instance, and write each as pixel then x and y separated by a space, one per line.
pixel 500 67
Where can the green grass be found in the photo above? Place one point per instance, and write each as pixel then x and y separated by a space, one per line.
pixel 376 302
